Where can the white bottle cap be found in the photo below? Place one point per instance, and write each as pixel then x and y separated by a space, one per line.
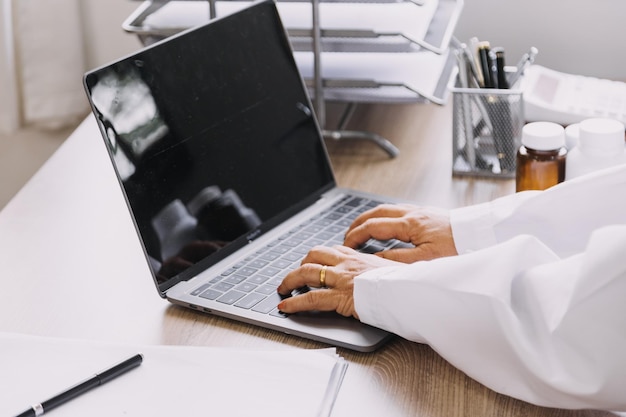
pixel 601 135
pixel 543 136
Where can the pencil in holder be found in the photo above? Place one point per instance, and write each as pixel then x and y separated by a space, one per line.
pixel 486 132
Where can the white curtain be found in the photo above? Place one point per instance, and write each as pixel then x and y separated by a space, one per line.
pixel 9 115
pixel 48 54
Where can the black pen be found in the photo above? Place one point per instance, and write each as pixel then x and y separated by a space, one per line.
pixel 500 64
pixel 486 65
pixel 81 388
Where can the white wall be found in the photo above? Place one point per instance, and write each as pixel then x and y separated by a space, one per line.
pixel 579 36
pixel 105 40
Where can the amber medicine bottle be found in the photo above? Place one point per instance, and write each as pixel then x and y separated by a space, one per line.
pixel 540 160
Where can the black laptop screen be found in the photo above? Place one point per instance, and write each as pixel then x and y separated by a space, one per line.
pixel 213 138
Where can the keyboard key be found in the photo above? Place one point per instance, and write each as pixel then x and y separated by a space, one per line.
pixel 228 272
pixel 245 287
pixel 277 313
pixel 314 242
pixel 343 209
pixel 200 289
pixel 222 286
pixel 302 235
pixel 281 264
pixel 292 257
pixel 266 289
pixel 335 229
pixel 210 294
pixel 324 236
pixel 355 202
pixel 260 251
pixel 247 271
pixel 302 250
pixel 275 281
pixel 345 223
pixel 250 300
pixel 230 297
pixel 285 236
pixel 282 249
pixel 324 222
pixel 333 216
pixel 397 244
pixel 257 264
pixel 314 228
pixel 240 264
pixel 268 304
pixel 270 271
pixel 257 279
pixel 336 241
pixel 293 242
pixel 235 279
pixel 370 248
pixel 353 216
pixel 270 256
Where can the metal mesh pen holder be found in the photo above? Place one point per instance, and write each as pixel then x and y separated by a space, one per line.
pixel 487 131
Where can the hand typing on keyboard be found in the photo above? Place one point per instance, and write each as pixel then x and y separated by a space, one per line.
pixel 427 229
pixel 340 265
pixel 334 268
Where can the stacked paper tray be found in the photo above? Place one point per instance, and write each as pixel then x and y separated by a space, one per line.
pixel 373 51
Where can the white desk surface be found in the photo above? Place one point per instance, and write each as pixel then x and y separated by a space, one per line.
pixel 68 245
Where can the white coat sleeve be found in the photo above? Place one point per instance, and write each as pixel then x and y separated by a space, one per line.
pixel 563 217
pixel 538 318
pixel 516 317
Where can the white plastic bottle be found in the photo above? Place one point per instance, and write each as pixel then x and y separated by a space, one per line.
pixel 571 135
pixel 600 145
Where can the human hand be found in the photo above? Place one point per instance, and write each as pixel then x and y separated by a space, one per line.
pixel 427 228
pixel 339 265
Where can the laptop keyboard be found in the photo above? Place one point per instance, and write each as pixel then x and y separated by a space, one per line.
pixel 251 284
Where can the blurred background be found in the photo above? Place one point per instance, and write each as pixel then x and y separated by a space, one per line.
pixel 46 46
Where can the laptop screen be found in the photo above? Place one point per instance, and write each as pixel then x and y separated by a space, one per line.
pixel 213 138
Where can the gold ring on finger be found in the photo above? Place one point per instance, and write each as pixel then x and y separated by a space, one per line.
pixel 323 276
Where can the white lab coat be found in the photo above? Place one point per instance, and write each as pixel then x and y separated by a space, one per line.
pixel 535 305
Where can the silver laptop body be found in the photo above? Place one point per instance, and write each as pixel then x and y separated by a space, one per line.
pixel 224 169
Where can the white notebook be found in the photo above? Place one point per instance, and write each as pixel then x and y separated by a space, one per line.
pixel 172 380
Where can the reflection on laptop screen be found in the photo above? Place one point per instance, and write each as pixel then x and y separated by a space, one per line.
pixel 213 138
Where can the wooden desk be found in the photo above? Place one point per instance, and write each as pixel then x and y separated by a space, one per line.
pixel 61 279
pixel 423 170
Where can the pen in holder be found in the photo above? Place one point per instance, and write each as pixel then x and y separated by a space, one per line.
pixel 487 130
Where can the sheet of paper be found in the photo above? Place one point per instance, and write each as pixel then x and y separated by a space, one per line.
pixel 406 18
pixel 419 72
pixel 172 380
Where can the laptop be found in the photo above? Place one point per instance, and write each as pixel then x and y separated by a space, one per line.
pixel 224 169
